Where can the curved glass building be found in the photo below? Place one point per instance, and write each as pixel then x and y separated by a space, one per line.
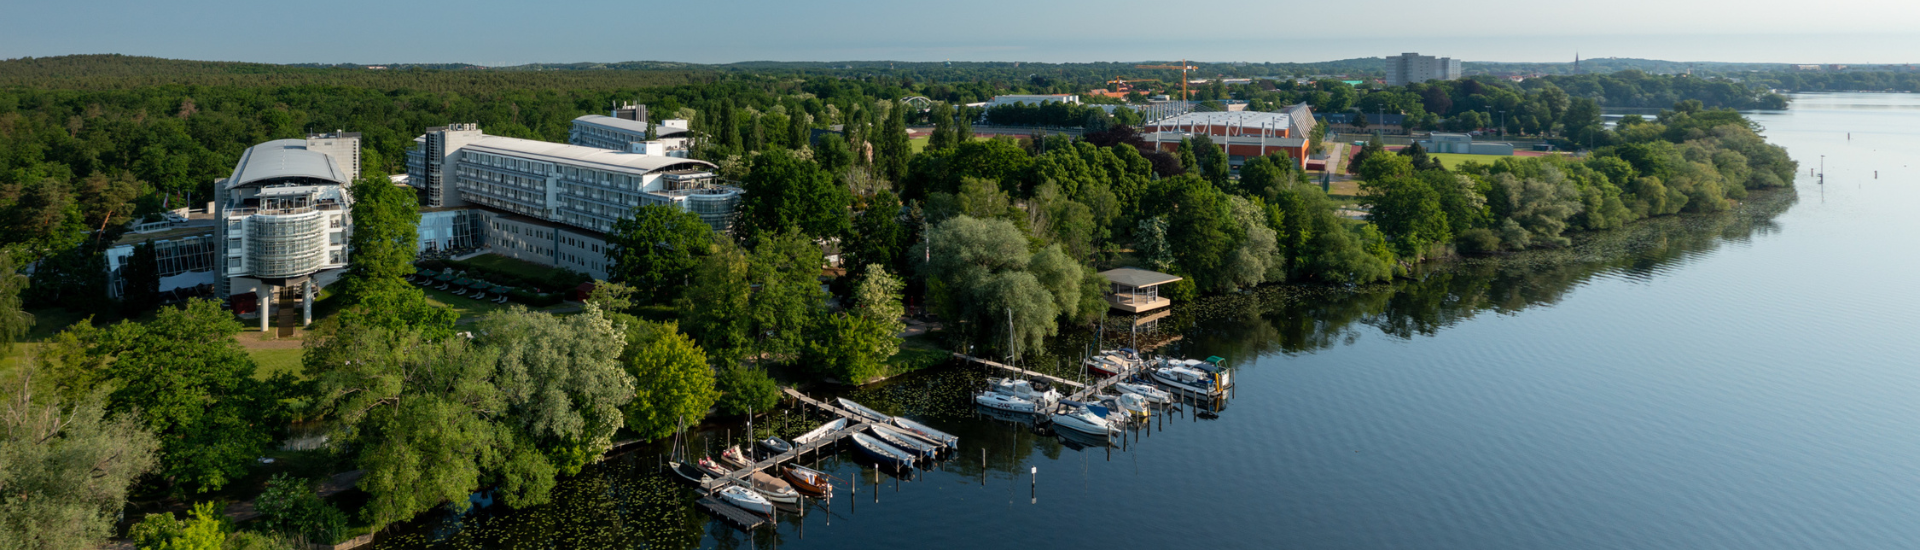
pixel 282 221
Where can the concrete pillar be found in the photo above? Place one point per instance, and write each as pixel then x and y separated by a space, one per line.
pixel 306 303
pixel 265 295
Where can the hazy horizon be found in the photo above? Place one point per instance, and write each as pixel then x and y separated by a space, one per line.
pixel 499 33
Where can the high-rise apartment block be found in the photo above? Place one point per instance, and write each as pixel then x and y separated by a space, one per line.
pixel 1408 68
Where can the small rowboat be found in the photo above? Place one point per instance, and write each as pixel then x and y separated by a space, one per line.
pixel 774 489
pixel 711 468
pixel 881 452
pixel 836 425
pixel 936 436
pixel 735 458
pixel 809 480
pixel 912 444
pixel 775 445
pixel 863 410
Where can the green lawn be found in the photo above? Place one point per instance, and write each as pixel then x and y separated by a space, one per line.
pixel 1451 160
pixel 920 143
pixel 271 362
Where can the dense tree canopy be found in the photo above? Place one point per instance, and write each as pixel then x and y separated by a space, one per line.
pixel 656 248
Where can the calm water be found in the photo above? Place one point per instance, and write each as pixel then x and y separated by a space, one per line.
pixel 1743 381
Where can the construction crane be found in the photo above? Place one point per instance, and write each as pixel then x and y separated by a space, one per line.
pixel 1183 67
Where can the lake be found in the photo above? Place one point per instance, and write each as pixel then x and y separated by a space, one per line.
pixel 1740 380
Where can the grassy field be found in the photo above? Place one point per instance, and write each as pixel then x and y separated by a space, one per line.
pixel 270 362
pixel 920 143
pixel 1451 160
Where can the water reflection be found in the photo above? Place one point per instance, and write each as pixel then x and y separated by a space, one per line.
pixel 625 503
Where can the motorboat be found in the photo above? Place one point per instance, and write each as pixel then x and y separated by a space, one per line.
pixel 904 441
pixel 1188 381
pixel 688 472
pixel 746 499
pixel 863 410
pixel 1211 366
pixel 1132 405
pixel 1024 418
pixel 1037 392
pixel 809 480
pixel 1109 363
pixel 735 458
pixel 936 436
pixel 774 489
pixel 711 468
pixel 775 445
pixel 1004 402
pixel 1147 392
pixel 836 425
pixel 1081 417
pixel 881 452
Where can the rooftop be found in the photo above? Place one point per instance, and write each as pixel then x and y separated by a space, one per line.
pixel 1247 119
pixel 634 126
pixel 283 158
pixel 1138 278
pixel 585 156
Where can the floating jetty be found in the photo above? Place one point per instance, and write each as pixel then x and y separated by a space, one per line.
pixel 1082 391
pixel 856 423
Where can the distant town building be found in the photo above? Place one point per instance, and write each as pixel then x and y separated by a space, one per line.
pixel 551 203
pixel 1243 134
pixel 1032 99
pixel 1463 144
pixel 1408 68
pixel 284 217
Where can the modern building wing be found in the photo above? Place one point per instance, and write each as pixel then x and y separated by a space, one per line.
pixel 284 217
pixel 551 203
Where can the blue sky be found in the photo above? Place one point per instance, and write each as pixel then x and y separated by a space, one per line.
pixel 495 32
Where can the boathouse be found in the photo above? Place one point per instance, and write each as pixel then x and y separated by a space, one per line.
pixel 1136 290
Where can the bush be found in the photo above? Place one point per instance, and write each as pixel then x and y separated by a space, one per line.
pixel 1477 241
pixel 162 531
pixel 743 387
pixel 290 506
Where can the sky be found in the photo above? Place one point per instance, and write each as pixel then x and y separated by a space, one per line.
pixel 497 32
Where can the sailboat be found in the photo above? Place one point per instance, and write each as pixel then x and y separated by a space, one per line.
pixel 681 469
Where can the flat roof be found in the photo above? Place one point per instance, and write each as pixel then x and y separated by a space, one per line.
pixel 634 126
pixel 1248 119
pixel 1138 278
pixel 593 157
pixel 283 158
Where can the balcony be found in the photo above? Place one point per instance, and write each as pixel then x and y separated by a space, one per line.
pixel 1136 303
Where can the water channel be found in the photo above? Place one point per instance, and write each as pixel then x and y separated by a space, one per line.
pixel 1739 380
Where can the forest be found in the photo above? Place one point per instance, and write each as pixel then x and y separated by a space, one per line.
pixel 1001 238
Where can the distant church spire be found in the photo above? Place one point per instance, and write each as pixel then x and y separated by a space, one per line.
pixel 1576 62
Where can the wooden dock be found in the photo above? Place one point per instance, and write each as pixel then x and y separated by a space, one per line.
pixel 738 516
pixel 1082 391
pixel 1020 371
pixel 857 424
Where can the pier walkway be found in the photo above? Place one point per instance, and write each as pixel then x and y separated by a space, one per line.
pixel 856 424
pixel 1082 391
